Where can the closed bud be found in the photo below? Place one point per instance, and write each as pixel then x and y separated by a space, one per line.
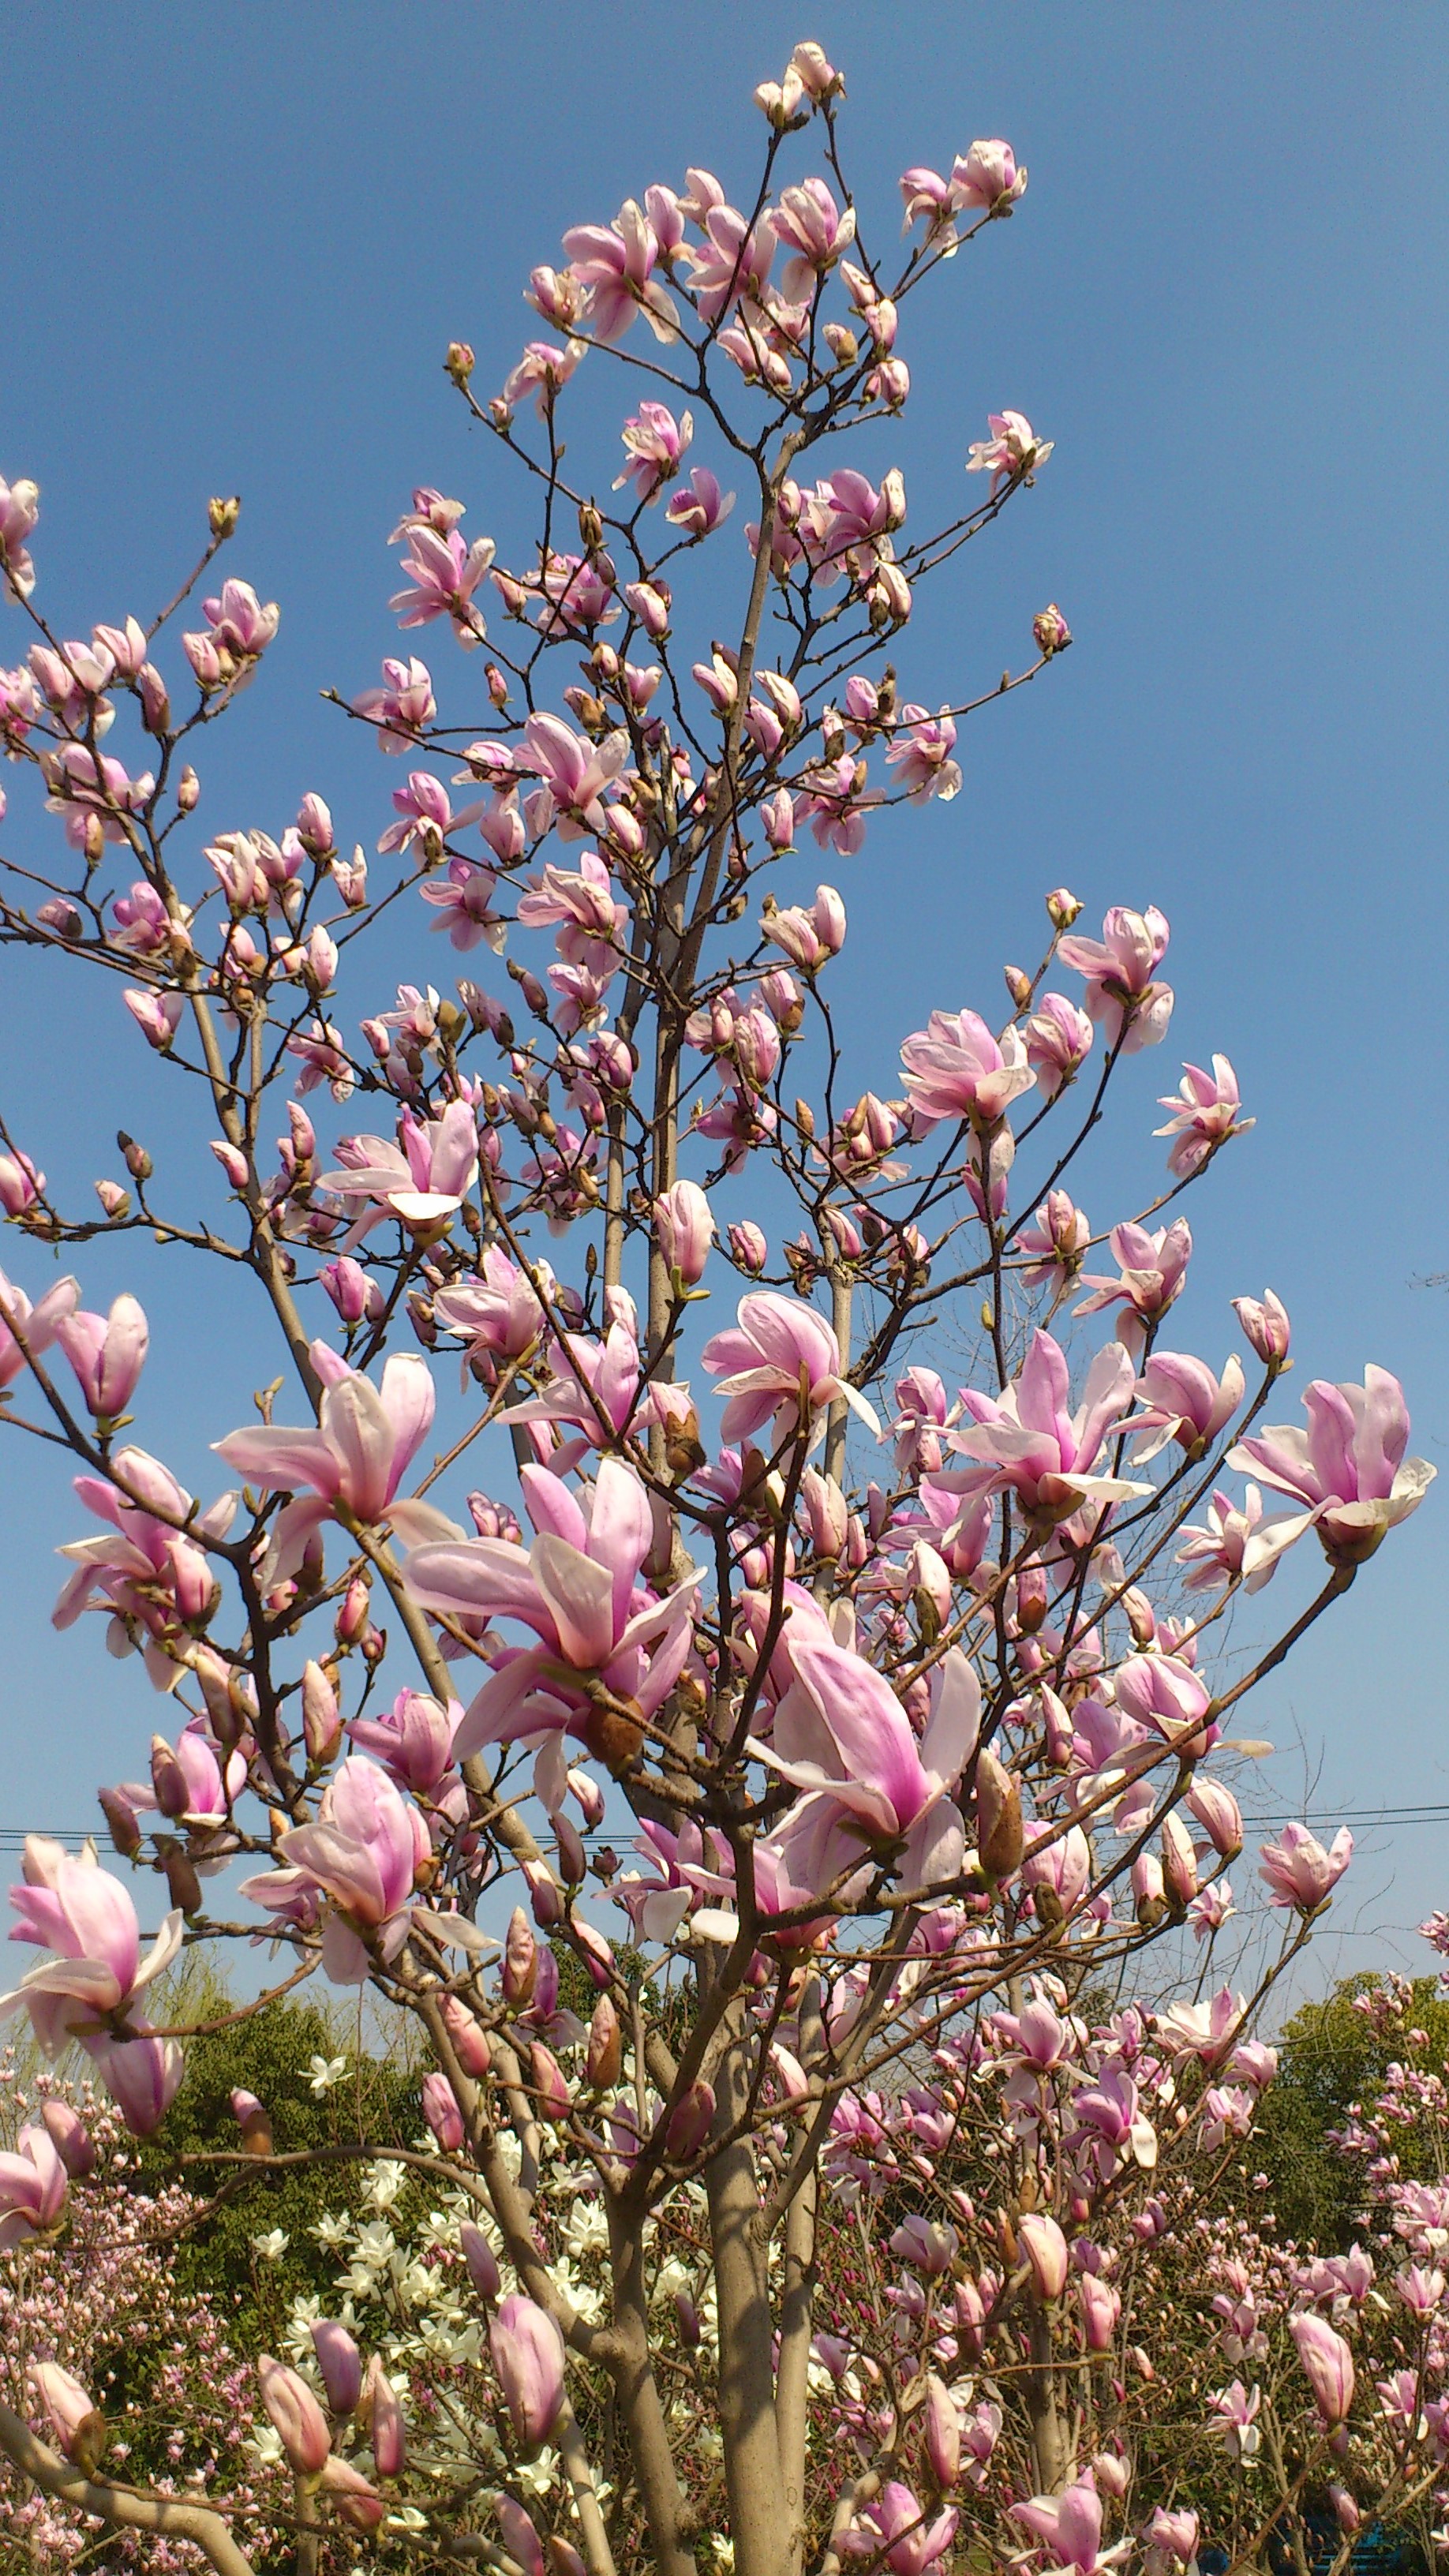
pixel 135 1157
pixel 222 515
pixel 550 2084
pixel 352 1611
pixel 469 2039
pixel 70 2138
pixel 497 687
pixel 1063 907
pixel 688 2316
pixel 604 2058
pixel 690 2123
pixel 1051 630
pixel 120 1816
pixel 340 2363
pixel 481 2260
pixel 943 2433
pixel 1018 985
pixel 321 1717
pixel 591 527
pixel 459 363
pixel 440 2110
pixel 183 1884
pixel 188 790
pixel 254 2121
pixel 1000 1836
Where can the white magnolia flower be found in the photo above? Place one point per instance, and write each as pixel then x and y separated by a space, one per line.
pixel 273 2245
pixel 324 2072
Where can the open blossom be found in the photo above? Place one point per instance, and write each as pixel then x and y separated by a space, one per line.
pixel 1299 1872
pixel 781 1355
pixel 1348 1466
pixel 1058 1042
pixel 401 707
pixel 354 1458
pixel 575 773
pixel 699 506
pixel 363 1852
pixel 1235 1541
pixel 654 442
pixel 443 574
pixel 1056 1239
pixel 575 1589
pixel 814 230
pixel 843 1739
pixel 1153 1274
pixel 955 1068
pixel 421 1180
pixel 1012 449
pixel 896 2531
pixel 1070 2525
pixel 920 755
pixel 1026 1438
pixel 1121 990
pixel 616 262
pixel 1183 1401
pixel 425 816
pixel 986 180
pixel 1205 1110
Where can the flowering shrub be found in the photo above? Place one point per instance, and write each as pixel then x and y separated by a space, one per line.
pixel 818 2214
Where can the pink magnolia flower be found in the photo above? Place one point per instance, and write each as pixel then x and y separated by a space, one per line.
pixel 528 2355
pixel 1348 1466
pixel 1026 1438
pixel 33 2185
pixel 781 1357
pixel 814 230
pixel 920 755
pixel 575 1589
pixel 986 179
pixel 956 1069
pixel 413 1740
pixel 1265 1325
pixel 575 773
pixel 35 1324
pixel 340 2363
pixel 424 1178
pixel 1183 1401
pixel 1152 1275
pixel 543 371
pixel 1012 450
pixel 616 263
pixel 1299 1872
pixel 498 1311
pixel 1235 1541
pixel 896 2529
pixel 443 573
pixel 1121 993
pixel 463 896
pixel 354 1459
pixel 425 816
pixel 732 265
pixel 1057 1239
pixel 19 510
pixel 654 442
pixel 401 707
pixel 1046 2250
pixel 107 1352
pixel 1070 2524
pixel 1327 2365
pixel 157 1015
pixel 699 506
pixel 1058 1042
pixel 85 1918
pixel 363 1851
pixel 841 1737
pixel 1204 1115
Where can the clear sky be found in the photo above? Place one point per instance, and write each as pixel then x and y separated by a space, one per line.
pixel 238 239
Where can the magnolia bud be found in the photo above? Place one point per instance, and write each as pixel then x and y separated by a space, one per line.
pixel 943 2433
pixel 1051 630
pixel 188 790
pixel 254 2121
pixel 605 2055
pixel 481 2260
pixel 1018 985
pixel 321 1717
pixel 120 1816
pixel 222 516
pixel 690 2123
pixel 459 363
pixel 469 2039
pixel 550 2084
pixel 1063 908
pixel 1000 1837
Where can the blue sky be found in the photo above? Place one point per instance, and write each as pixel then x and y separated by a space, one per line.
pixel 238 241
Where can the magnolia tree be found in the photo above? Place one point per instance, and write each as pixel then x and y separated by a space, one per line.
pixel 824 2229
